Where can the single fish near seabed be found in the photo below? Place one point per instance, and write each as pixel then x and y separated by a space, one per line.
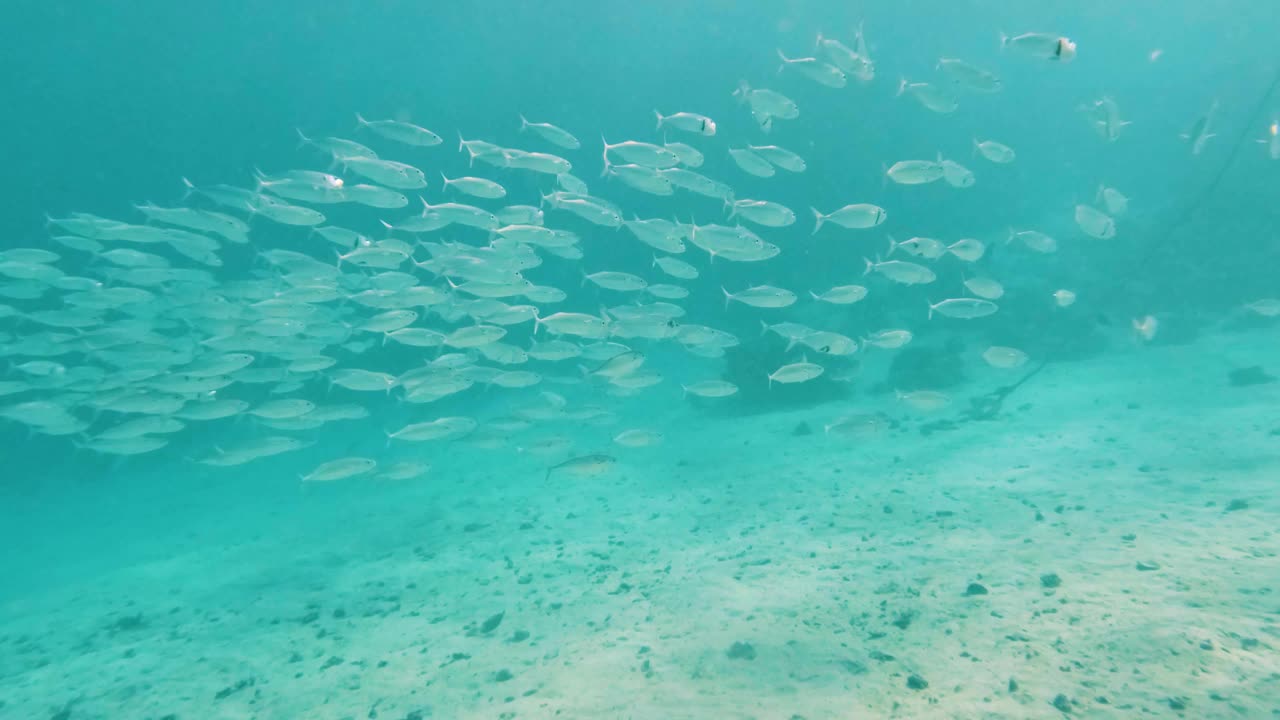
pixel 899 271
pixel 963 308
pixel 1094 222
pixel 849 60
pixel 767 103
pixel 638 438
pixel 1045 46
pixel 781 157
pixel 639 153
pixel 1266 307
pixel 995 152
pixel 390 173
pixel 761 296
pixel 924 400
pixel 1201 130
pixel 551 133
pixel 841 294
pixel 1034 240
pixel 969 76
pixel 798 372
pixel 923 247
pixel 967 249
pixel 401 132
pixel 955 174
pixel 914 172
pixel 858 216
pixel 474 186
pixel 584 466
pixel 984 287
pixel 1115 201
pixel 710 389
pixel 340 469
pixel 751 163
pixel 761 212
pixel 688 122
pixel 1004 358
pixel 1104 118
pixel 814 69
pixel 689 155
pixel 930 96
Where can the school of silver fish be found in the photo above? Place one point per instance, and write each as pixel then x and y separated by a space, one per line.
pixel 151 336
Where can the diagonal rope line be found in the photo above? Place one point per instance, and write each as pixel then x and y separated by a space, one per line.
pixel 986 406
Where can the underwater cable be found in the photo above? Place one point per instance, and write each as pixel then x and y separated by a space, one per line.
pixel 986 406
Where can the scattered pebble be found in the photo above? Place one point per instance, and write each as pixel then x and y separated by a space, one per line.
pixel 741 651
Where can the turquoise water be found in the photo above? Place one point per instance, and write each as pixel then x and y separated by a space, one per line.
pixel 1063 507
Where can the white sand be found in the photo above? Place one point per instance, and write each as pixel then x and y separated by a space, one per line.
pixel 632 587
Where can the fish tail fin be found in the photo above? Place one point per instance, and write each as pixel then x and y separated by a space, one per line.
pixel 764 327
pixel 186 194
pixel 785 60
pixel 742 91
pixel 902 87
pixel 524 122
pixel 303 140
pixel 1004 40
pixel 817 42
pixel 893 245
pixel 660 119
pixel 870 266
pixel 818 219
pixel 813 295
pixel 727 296
pixel 931 307
pixel 360 121
pixel 444 179
pixel 976 147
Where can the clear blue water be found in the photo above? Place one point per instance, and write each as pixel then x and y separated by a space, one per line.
pixel 108 107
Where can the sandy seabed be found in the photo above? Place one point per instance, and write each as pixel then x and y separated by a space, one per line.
pixel 1106 547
